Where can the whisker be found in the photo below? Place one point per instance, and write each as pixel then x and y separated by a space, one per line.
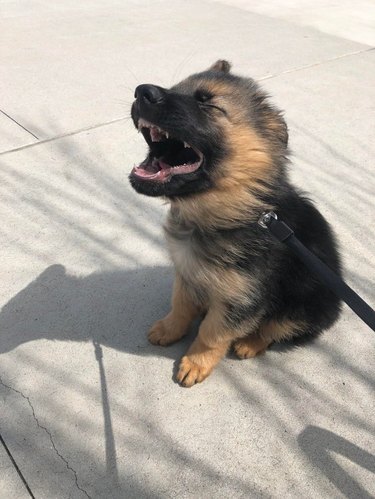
pixel 133 75
pixel 179 67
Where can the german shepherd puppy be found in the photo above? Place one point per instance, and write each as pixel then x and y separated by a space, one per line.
pixel 218 153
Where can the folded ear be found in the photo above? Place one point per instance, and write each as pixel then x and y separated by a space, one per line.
pixel 220 66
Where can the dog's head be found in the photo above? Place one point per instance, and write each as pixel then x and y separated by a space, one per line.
pixel 210 128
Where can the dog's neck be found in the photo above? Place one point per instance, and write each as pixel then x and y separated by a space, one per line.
pixel 218 209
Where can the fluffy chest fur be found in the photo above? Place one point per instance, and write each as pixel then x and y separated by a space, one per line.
pixel 205 263
pixel 188 260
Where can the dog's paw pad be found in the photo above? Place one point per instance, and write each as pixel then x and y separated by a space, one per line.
pixel 190 373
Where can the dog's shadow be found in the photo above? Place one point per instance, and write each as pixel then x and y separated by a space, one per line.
pixel 113 308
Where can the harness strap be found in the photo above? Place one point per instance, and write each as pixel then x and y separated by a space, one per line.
pixel 283 233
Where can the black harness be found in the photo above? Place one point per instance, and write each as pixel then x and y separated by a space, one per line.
pixel 283 233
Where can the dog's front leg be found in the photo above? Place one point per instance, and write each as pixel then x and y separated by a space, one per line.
pixel 213 341
pixel 175 325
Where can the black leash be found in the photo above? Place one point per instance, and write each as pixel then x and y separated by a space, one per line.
pixel 284 234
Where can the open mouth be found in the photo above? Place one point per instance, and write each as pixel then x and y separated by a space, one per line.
pixel 168 155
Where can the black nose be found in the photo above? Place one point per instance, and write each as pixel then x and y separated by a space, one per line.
pixel 150 93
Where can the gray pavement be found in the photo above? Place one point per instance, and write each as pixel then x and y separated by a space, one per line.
pixel 11 483
pixel 87 407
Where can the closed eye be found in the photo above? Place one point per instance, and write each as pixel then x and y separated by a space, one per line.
pixel 206 105
pixel 203 97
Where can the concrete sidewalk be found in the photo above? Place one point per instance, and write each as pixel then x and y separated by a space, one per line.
pixel 87 407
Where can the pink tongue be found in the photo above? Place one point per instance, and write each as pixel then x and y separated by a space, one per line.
pixel 144 173
pixel 149 174
pixel 160 171
pixel 175 170
pixel 149 170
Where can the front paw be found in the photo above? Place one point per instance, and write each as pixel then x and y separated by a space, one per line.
pixel 190 372
pixel 161 334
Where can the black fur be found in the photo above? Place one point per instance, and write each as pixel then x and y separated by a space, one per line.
pixel 285 286
pixel 183 115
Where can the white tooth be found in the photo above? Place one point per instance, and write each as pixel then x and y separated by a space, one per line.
pixel 186 144
pixel 166 134
pixel 143 124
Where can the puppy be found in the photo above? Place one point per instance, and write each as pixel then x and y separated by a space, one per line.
pixel 218 153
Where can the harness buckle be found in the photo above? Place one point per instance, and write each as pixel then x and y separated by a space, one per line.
pixel 265 218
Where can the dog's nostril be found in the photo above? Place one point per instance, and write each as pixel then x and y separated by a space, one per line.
pixel 150 93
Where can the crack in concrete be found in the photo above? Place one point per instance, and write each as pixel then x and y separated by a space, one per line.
pixel 50 436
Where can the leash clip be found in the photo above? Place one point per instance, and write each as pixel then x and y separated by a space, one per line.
pixel 265 218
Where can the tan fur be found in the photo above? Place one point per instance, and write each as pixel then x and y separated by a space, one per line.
pixel 250 160
pixel 219 89
pixel 242 175
pixel 202 278
pixel 221 65
pixel 250 346
pixel 233 197
pixel 268 332
pixel 200 361
pixel 175 325
pixel 210 346
pixel 278 331
pixel 276 125
pixel 214 337
pixel 202 284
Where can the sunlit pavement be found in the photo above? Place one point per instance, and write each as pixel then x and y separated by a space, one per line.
pixel 87 407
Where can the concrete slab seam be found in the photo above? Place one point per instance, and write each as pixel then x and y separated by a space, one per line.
pixel 294 70
pixel 76 132
pixel 49 434
pixel 19 124
pixel 16 467
pixel 68 134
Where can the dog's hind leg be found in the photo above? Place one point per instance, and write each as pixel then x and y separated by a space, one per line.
pixel 250 346
pixel 175 325
pixel 268 333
